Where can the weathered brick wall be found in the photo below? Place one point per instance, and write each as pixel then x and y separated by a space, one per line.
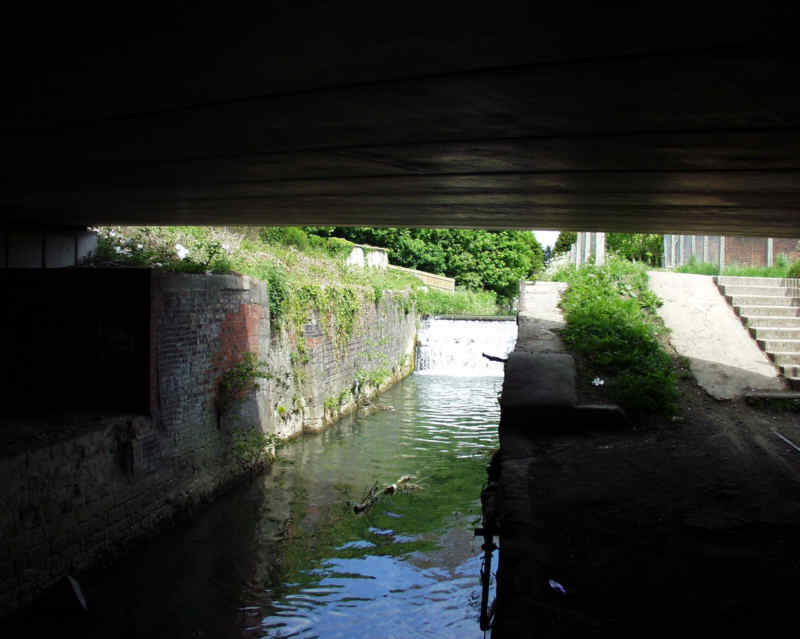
pixel 67 501
pixel 745 251
pixel 308 396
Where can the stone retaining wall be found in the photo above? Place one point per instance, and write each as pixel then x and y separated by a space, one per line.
pixel 76 494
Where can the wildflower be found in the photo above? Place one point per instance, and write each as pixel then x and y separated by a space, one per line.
pixel 226 247
pixel 117 249
pixel 140 246
pixel 182 251
pixel 598 382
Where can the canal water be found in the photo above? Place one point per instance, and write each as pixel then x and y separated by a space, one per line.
pixel 287 557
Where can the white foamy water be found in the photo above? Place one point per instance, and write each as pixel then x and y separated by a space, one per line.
pixel 456 347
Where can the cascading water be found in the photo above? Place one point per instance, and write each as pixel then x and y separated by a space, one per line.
pixel 456 346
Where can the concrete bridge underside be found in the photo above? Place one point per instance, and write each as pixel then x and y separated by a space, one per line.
pixel 646 119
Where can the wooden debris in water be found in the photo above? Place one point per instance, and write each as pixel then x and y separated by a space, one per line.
pixel 374 493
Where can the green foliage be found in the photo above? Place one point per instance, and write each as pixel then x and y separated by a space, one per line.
pixel 252 448
pixel 286 235
pixel 794 270
pixel 564 241
pixel 493 260
pixel 780 269
pixel 698 268
pixel 461 302
pixel 239 380
pixel 186 249
pixel 609 321
pixel 278 289
pixel 639 247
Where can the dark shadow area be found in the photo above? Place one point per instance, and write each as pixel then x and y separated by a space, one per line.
pixel 185 582
pixel 682 526
pixel 74 339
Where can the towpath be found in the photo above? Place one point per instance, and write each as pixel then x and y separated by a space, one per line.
pixel 679 525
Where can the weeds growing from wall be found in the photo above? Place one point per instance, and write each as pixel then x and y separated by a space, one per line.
pixel 239 380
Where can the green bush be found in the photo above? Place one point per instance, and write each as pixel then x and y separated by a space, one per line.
pixel 287 235
pixel 794 270
pixel 698 268
pixel 609 321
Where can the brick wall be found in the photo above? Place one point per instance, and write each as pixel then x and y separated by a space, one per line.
pixel 787 247
pixel 83 491
pixel 745 251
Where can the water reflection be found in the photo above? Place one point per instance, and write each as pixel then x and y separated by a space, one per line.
pixel 410 566
pixel 286 556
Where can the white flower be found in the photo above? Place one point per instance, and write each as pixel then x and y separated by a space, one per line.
pixel 182 251
pixel 117 249
pixel 226 247
pixel 111 233
pixel 140 246
pixel 598 382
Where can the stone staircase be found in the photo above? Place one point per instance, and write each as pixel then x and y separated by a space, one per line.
pixel 770 309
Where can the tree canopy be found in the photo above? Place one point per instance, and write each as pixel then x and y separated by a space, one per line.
pixel 493 260
pixel 564 241
pixel 638 247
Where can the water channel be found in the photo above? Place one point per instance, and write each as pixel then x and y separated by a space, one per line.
pixel 286 556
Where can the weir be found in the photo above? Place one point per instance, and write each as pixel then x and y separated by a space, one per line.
pixel 455 346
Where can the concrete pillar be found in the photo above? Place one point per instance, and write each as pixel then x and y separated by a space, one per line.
pixel 59 250
pixel 721 253
pixel 770 257
pixel 573 254
pixel 85 246
pixel 682 251
pixel 705 249
pixel 600 249
pixel 587 247
pixel 580 241
pixel 46 248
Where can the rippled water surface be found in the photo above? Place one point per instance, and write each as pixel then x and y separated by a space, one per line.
pixel 286 556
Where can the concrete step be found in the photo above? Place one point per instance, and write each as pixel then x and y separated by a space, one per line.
pixel 790 370
pixel 779 345
pixel 762 300
pixel 769 321
pixel 786 358
pixel 755 291
pixel 774 333
pixel 748 310
pixel 727 280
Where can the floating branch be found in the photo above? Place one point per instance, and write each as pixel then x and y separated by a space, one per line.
pixel 492 358
pixel 374 493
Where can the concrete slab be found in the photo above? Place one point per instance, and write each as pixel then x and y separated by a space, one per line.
pixel 59 250
pixel 724 359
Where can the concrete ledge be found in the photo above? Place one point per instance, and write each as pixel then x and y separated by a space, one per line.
pixel 536 381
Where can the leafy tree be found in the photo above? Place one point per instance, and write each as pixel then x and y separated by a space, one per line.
pixel 564 241
pixel 638 247
pixel 492 260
